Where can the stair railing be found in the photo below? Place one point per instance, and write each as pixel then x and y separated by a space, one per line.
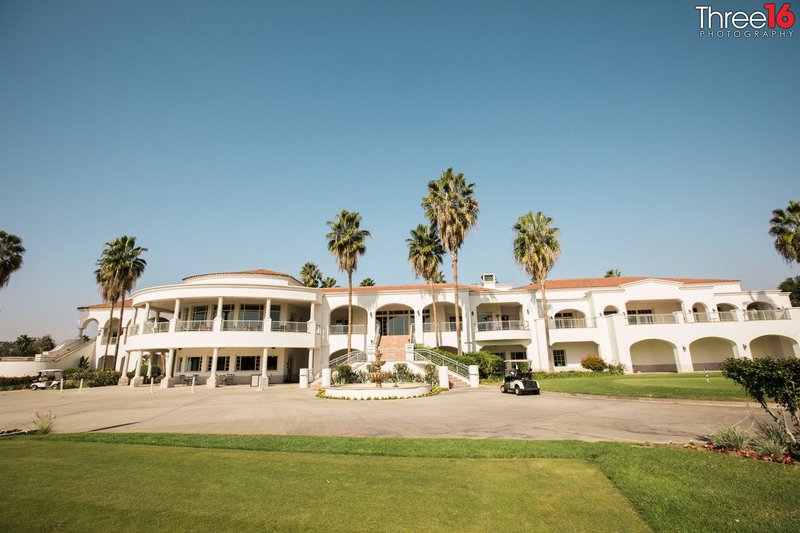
pixel 429 356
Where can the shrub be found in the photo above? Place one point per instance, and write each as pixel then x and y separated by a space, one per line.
pixel 489 364
pixel 616 369
pixel 403 374
pixel 44 422
pixel 729 438
pixel 595 363
pixel 768 440
pixel 14 383
pixel 84 363
pixel 432 374
pixel 97 378
pixel 344 374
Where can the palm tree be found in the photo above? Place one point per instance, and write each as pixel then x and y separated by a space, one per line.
pixel 11 251
pixel 439 278
pixel 328 282
pixel 452 207
pixel 786 230
pixel 536 249
pixel 346 243
pixel 310 275
pixel 367 282
pixel 108 292
pixel 613 273
pixel 121 262
pixel 425 252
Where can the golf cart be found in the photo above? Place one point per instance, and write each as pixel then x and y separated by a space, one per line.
pixel 519 382
pixel 47 379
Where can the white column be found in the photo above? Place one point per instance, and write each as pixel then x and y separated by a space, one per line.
pixel 264 381
pixel 444 377
pixel 123 368
pixel 137 378
pixel 218 316
pixel 146 315
pixel 212 379
pixel 303 378
pixel 474 376
pixel 267 315
pixel 326 378
pixel 311 363
pixel 168 380
pixel 175 316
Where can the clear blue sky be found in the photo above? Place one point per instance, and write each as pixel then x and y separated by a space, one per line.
pixel 224 134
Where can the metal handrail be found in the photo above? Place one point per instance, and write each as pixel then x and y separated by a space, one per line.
pixel 290 327
pixel 341 329
pixel 155 327
pixel 50 356
pixel 570 323
pixel 242 325
pixel 503 325
pixel 424 354
pixel 356 356
pixel 765 314
pixel 444 327
pixel 638 320
pixel 194 325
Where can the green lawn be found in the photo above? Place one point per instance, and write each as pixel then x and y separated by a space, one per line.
pixel 254 483
pixel 691 386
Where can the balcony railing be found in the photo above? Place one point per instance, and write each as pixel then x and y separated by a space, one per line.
pixel 766 314
pixel 341 329
pixel 194 325
pixel 156 327
pixel 444 327
pixel 727 316
pixel 569 323
pixel 132 330
pixel 242 325
pixel 290 327
pixel 503 325
pixel 638 320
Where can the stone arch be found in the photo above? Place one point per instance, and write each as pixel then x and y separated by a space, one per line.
pixel 726 312
pixel 338 320
pixel 610 310
pixel 775 346
pixel 708 352
pixel 114 325
pixel 89 328
pixel 653 355
pixel 394 319
pixel 569 318
pixel 760 306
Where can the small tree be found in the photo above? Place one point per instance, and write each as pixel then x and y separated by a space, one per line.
pixel 792 286
pixel 775 380
pixel 595 363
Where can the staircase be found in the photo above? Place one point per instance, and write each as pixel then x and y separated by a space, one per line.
pixel 393 347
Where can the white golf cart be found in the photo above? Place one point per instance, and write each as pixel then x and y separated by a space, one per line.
pixel 47 379
pixel 519 381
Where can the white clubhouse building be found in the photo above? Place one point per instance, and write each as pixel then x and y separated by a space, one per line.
pixel 232 325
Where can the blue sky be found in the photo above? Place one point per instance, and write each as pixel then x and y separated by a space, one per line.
pixel 225 134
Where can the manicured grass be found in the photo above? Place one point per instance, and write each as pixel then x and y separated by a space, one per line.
pixel 228 482
pixel 690 386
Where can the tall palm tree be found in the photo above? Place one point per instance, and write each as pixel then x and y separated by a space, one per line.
pixel 11 251
pixel 310 275
pixel 327 282
pixel 786 230
pixel 536 249
pixel 367 282
pixel 613 273
pixel 439 278
pixel 425 252
pixel 123 264
pixel 451 205
pixel 108 292
pixel 346 243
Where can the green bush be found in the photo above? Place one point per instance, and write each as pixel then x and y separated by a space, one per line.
pixel 431 374
pixel 97 378
pixel 402 374
pixel 595 363
pixel 15 383
pixel 768 440
pixel 344 374
pixel 616 369
pixel 730 438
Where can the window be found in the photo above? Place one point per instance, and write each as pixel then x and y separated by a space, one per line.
pixel 251 312
pixel 195 364
pixel 272 362
pixel 559 358
pixel 227 311
pixel 517 355
pixel 248 362
pixel 275 313
pixel 223 363
pixel 200 312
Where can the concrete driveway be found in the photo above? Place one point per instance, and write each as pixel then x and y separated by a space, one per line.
pixel 482 413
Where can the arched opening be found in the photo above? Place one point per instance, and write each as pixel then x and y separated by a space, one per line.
pixel 338 321
pixel 761 311
pixel 335 355
pixel 568 318
pixel 726 312
pixel 445 314
pixel 707 353
pixel 775 346
pixel 610 310
pixel 653 355
pixel 450 349
pixel 394 319
pixel 113 324
pixel 90 328
pixel 700 312
pixel 499 316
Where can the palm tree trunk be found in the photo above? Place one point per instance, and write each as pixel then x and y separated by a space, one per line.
pixel 108 334
pixel 551 366
pixel 119 334
pixel 349 311
pixel 435 318
pixel 458 309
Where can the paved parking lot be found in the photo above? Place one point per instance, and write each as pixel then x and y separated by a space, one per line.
pixel 286 410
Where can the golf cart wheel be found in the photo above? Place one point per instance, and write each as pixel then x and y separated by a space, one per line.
pixel 34 387
pixel 517 391
pixel 502 388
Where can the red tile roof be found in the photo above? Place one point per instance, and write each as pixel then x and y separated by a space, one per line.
pixel 591 283
pixel 418 286
pixel 256 272
pixel 128 303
